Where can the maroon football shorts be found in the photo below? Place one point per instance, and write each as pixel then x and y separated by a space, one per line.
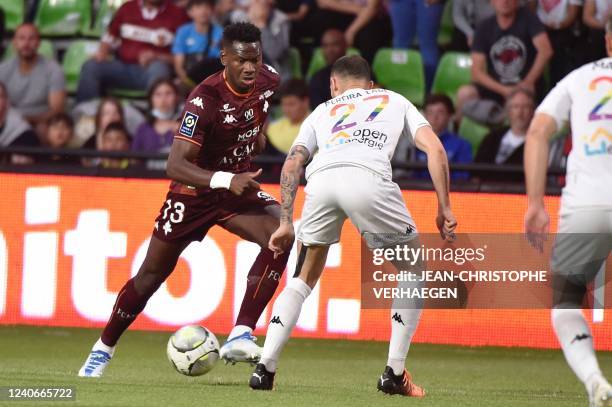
pixel 187 218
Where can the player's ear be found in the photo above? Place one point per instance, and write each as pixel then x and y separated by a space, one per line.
pixel 332 86
pixel 371 85
pixel 223 57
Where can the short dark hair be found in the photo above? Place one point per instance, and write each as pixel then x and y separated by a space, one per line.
pixel 352 66
pixel 117 126
pixel 191 3
pixel 60 117
pixel 436 98
pixel 241 32
pixel 294 87
pixel 520 90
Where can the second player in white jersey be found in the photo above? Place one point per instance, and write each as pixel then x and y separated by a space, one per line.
pixel 360 127
pixel 584 98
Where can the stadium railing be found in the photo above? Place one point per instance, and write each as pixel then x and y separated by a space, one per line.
pixel 271 164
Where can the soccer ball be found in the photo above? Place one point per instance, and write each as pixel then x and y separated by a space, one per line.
pixel 193 350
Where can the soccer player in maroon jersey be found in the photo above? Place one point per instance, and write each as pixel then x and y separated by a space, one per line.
pixel 212 184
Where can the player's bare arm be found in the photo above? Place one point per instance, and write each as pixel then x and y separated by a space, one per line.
pixel 181 168
pixel 540 131
pixel 282 239
pixel 437 163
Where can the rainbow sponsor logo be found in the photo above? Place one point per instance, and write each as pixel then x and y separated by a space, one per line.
pixel 599 143
pixel 337 139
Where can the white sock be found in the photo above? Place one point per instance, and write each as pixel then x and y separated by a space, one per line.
pixel 285 314
pixel 239 330
pixel 577 343
pixel 99 345
pixel 403 324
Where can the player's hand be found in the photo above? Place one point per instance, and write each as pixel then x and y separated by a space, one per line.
pixel 282 239
pixel 244 182
pixel 536 226
pixel 446 223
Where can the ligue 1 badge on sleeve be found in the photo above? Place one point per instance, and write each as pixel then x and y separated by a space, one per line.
pixel 188 124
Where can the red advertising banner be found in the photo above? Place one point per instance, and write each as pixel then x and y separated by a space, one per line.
pixel 68 244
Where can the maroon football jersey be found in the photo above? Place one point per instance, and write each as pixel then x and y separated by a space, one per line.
pixel 224 123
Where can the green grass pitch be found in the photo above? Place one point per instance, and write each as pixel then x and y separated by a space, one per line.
pixel 311 373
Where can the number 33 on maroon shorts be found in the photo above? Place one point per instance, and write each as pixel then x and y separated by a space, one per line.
pixel 186 217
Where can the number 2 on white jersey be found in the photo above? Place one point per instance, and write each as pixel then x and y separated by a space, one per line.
pixel 384 100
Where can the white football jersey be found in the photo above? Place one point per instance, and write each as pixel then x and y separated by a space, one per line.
pixel 584 97
pixel 360 127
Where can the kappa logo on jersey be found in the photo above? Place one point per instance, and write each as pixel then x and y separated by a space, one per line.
pixel 271 69
pixel 188 124
pixel 249 114
pixel 197 101
pixel 265 196
pixel 265 107
pixel 229 119
pixel 227 108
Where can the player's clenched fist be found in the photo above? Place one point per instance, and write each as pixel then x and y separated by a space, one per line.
pixel 446 223
pixel 244 181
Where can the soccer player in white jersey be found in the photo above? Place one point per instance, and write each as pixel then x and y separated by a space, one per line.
pixel 584 237
pixel 354 136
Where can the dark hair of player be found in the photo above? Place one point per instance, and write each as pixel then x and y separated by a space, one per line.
pixel 240 32
pixel 294 87
pixel 117 126
pixel 60 118
pixel 352 66
pixel 191 3
pixel 436 98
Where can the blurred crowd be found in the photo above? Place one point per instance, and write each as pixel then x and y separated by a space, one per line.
pixel 130 91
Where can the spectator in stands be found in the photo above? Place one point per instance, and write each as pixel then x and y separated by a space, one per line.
pixel 560 18
pixel 333 46
pixel 197 45
pixel 60 130
pixel 510 49
pixel 274 26
pixel 298 12
pixel 365 23
pixel 223 11
pixel 467 14
pixel 115 137
pixel 14 129
pixel 420 18
pixel 295 108
pixel 157 133
pixel 109 111
pixel 35 84
pixel 439 111
pixel 505 145
pixel 142 31
pixel 594 16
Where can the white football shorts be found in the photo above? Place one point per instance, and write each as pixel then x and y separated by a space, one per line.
pixel 373 204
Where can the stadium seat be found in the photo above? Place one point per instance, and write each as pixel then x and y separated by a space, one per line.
pixel 14 11
pixel 445 34
pixel 76 55
pixel 129 93
pixel 317 61
pixel 295 61
pixel 103 17
pixel 61 18
pixel 454 70
pixel 401 70
pixel 45 49
pixel 473 132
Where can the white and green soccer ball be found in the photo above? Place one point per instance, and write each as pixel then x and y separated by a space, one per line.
pixel 193 350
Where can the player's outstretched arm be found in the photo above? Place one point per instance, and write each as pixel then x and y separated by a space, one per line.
pixel 540 131
pixel 282 239
pixel 437 163
pixel 181 168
